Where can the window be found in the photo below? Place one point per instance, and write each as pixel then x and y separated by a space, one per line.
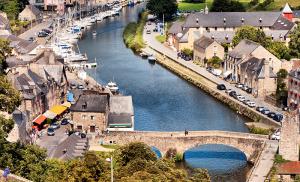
pixel 83 116
pixel 79 127
pixel 92 129
pixel 216 28
pixel 92 117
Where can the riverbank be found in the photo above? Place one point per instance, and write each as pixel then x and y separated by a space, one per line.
pixel 133 33
pixel 210 87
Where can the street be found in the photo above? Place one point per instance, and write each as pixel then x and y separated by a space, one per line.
pixel 34 30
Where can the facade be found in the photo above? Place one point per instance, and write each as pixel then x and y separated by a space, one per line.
pixel 90 113
pixel 205 48
pixel 4 22
pixel 223 25
pixel 294 89
pixel 251 64
pixel 55 5
pixel 31 13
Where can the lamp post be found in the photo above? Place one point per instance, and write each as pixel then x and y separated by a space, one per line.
pixel 111 168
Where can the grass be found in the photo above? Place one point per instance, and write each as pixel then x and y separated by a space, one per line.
pixel 111 146
pixel 261 131
pixel 183 6
pixel 161 38
pixel 279 4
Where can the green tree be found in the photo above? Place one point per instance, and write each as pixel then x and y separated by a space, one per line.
pixel 166 8
pixel 281 90
pixel 294 44
pixel 9 97
pixel 227 6
pixel 250 33
pixel 5 51
pixel 215 62
pixel 279 49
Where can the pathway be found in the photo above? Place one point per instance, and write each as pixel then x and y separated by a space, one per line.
pixel 264 163
pixel 157 46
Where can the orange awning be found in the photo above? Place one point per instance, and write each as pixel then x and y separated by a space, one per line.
pixel 40 119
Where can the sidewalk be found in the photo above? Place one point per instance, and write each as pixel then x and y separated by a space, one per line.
pixel 154 44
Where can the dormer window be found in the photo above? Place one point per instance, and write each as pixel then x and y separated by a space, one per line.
pixel 84 106
pixel 213 37
pixel 224 20
pixel 260 20
pixel 242 20
pixel 197 20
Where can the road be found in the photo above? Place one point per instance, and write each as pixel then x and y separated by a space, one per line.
pixel 154 44
pixel 51 142
pixel 34 30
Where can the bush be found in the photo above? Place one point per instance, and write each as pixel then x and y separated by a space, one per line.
pixel 260 131
pixel 188 52
pixel 215 62
pixel 194 1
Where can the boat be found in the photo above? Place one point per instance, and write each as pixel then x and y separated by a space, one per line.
pixel 94 33
pixel 151 59
pixel 144 55
pixel 112 86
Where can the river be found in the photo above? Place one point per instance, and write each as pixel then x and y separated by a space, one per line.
pixel 162 100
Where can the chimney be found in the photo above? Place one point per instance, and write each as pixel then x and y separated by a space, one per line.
pixel 206 10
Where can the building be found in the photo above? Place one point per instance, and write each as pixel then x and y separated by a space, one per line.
pixel 90 113
pixel 121 114
pixel 55 5
pixel 223 25
pixel 31 13
pixel 205 48
pixel 4 24
pixel 251 64
pixel 294 89
pixel 287 171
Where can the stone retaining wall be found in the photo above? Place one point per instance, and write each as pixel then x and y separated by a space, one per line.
pixel 222 97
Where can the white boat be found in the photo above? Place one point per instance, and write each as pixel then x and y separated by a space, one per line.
pixel 94 33
pixel 75 57
pixel 112 86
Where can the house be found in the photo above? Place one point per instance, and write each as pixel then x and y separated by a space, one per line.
pixel 90 112
pixel 121 115
pixel 223 25
pixel 31 13
pixel 55 5
pixel 249 63
pixel 205 48
pixel 287 171
pixel 4 22
pixel 294 89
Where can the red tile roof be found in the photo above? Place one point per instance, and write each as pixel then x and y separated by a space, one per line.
pixel 289 168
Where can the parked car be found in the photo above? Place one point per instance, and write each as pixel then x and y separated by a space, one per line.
pixel 80 86
pixel 260 109
pixel 42 34
pixel 55 125
pixel 266 111
pixel 47 31
pixel 249 90
pixel 278 117
pixel 241 98
pixel 246 101
pixel 251 104
pixel 271 114
pixel 239 85
pixel 73 85
pixel 245 87
pixel 232 94
pixel 221 87
pixel 64 121
pixel 275 135
pixel 148 31
pixel 209 69
pixel 50 132
pixel 31 39
pixel 228 91
pixel 285 108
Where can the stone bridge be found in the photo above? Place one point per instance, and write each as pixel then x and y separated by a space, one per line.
pixel 249 144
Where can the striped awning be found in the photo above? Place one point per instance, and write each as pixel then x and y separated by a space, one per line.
pixel 58 109
pixel 40 119
pixel 50 114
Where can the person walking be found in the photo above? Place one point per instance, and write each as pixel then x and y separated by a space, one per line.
pixel 6 172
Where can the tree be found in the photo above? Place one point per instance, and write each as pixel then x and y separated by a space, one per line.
pixel 294 44
pixel 9 97
pixel 227 6
pixel 5 51
pixel 250 33
pixel 166 8
pixel 215 62
pixel 279 49
pixel 281 90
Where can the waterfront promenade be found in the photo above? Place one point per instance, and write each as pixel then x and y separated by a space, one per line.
pixel 157 47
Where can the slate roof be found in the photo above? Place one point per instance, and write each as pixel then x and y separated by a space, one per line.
pixel 20 45
pixel 295 74
pixel 233 19
pixel 220 36
pixel 244 48
pixel 176 27
pixel 121 104
pixel 24 84
pixel 183 36
pixel 92 103
pixel 34 9
pixel 203 42
pixel 277 35
pixel 119 119
pixel 282 24
pixel 13 61
pixel 4 22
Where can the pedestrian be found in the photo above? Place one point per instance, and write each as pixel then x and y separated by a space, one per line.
pixel 6 172
pixel 185 132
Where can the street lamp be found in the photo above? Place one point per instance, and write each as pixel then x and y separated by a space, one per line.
pixel 111 168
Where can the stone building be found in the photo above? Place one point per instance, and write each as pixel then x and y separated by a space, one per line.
pixel 294 89
pixel 205 48
pixel 223 25
pixel 90 113
pixel 251 64
pixel 31 13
